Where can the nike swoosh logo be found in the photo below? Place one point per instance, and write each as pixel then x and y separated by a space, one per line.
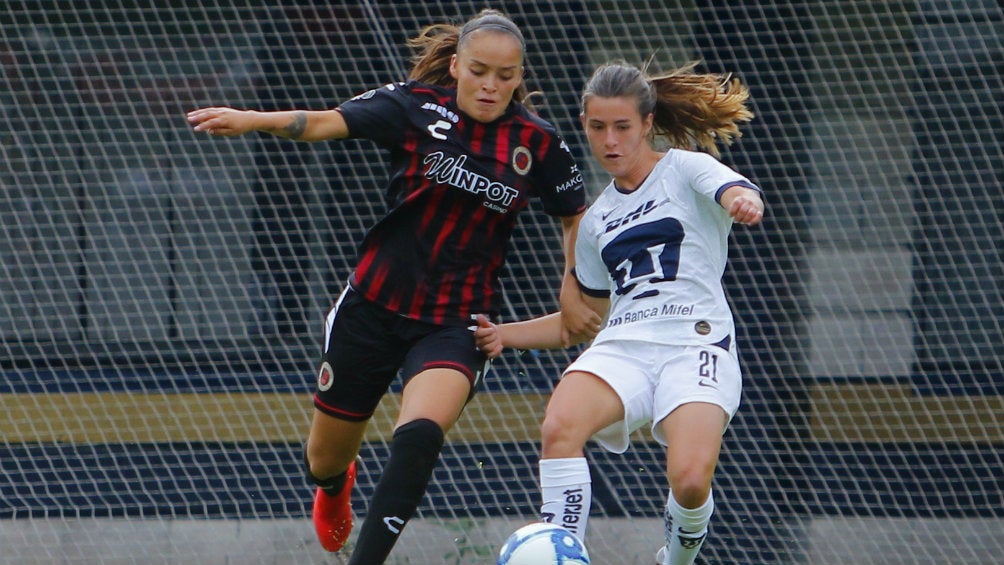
pixel 703 383
pixel 605 216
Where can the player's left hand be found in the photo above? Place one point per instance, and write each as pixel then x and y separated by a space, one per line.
pixel 487 337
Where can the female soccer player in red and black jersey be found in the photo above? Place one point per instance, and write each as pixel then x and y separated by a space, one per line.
pixel 467 155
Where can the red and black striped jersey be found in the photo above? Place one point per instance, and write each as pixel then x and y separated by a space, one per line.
pixel 456 188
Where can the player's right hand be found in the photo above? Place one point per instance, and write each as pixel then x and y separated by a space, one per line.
pixel 747 210
pixel 579 322
pixel 221 121
pixel 487 337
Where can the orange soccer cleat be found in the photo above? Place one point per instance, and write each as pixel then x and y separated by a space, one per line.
pixel 333 514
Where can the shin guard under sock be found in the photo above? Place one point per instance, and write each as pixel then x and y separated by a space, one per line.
pixel 686 529
pixel 413 455
pixel 566 492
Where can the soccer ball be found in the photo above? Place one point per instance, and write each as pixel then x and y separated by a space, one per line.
pixel 541 543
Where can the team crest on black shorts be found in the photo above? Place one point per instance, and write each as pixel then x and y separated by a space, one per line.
pixel 324 377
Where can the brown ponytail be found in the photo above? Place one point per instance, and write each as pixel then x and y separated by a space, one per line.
pixel 699 109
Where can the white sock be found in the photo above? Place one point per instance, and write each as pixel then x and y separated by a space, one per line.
pixel 567 492
pixel 686 529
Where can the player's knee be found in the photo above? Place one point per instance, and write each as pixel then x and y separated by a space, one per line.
pixel 421 432
pixel 318 467
pixel 309 470
pixel 560 437
pixel 418 442
pixel 690 486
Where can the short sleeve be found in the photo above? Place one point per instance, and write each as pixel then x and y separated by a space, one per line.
pixel 378 115
pixel 559 181
pixel 590 271
pixel 711 177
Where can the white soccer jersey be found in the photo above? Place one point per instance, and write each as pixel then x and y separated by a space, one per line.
pixel 659 252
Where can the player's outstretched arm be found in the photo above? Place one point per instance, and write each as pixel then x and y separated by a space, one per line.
pixel 299 125
pixel 545 332
pixel 537 333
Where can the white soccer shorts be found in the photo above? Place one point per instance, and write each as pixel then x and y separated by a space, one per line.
pixel 653 379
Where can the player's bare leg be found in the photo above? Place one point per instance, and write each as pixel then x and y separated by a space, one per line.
pixel 580 405
pixel 332 448
pixel 694 436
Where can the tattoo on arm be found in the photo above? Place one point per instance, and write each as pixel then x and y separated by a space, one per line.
pixel 296 127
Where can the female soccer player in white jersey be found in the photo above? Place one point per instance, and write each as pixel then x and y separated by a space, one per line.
pixel 650 255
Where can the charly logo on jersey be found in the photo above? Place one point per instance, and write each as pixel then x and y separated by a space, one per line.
pixel 439 129
pixel 451 171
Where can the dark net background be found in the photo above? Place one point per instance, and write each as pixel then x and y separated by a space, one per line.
pixel 142 262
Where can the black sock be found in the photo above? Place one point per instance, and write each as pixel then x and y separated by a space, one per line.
pixel 331 485
pixel 413 455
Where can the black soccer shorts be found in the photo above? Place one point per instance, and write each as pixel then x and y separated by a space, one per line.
pixel 366 346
